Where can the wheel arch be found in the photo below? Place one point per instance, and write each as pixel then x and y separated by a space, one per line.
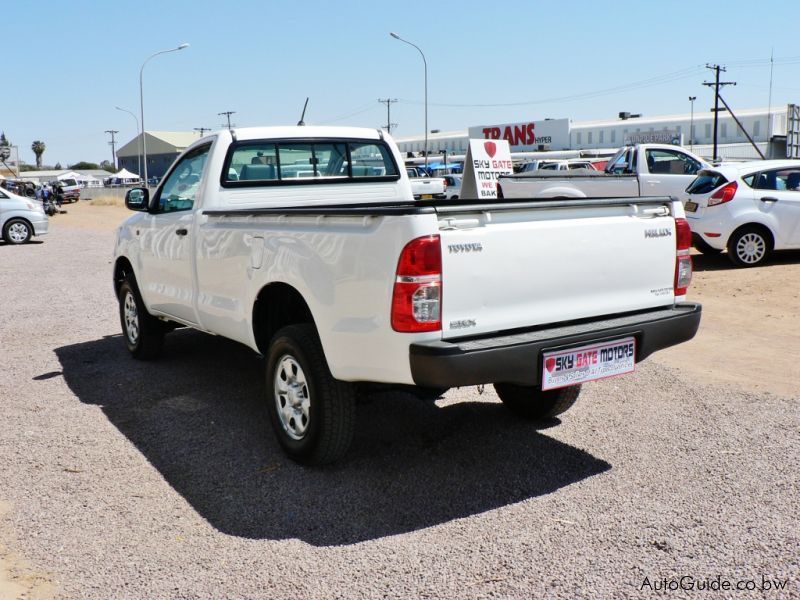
pixel 122 268
pixel 754 225
pixel 277 304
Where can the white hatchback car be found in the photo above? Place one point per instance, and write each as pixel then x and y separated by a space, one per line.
pixel 21 218
pixel 749 208
pixel 453 191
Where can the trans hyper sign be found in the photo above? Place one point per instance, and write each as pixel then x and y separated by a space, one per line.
pixel 553 134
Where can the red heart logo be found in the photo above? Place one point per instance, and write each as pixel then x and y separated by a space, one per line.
pixel 491 148
pixel 550 364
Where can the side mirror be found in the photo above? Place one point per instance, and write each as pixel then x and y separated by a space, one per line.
pixel 137 199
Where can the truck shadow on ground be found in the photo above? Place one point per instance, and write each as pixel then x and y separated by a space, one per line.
pixel 721 262
pixel 198 415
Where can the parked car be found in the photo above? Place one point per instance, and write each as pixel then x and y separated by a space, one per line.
pixel 70 189
pixel 453 191
pixel 21 218
pixel 639 170
pixel 748 209
pixel 347 286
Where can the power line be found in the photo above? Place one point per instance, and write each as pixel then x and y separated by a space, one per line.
pixel 228 114
pixel 388 102
pixel 113 144
pixel 717 85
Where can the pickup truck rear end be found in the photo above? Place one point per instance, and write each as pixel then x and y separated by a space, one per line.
pixel 535 297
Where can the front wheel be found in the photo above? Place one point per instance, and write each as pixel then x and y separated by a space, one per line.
pixel 144 334
pixel 312 413
pixel 531 402
pixel 17 231
pixel 749 247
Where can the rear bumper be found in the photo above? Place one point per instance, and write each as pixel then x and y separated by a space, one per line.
pixel 517 358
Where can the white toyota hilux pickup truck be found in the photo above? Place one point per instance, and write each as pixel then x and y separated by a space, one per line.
pixel 638 170
pixel 305 244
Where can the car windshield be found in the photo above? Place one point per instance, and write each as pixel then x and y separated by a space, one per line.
pixel 705 182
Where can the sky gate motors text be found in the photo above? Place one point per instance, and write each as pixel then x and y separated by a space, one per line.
pixel 581 360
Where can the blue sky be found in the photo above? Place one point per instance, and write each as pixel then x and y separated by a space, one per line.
pixel 68 64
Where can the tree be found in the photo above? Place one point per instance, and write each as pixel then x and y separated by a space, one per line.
pixel 86 166
pixel 38 148
pixel 58 166
pixel 108 166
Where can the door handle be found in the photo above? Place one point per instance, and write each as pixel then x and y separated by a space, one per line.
pixel 181 231
pixel 768 199
pixel 654 181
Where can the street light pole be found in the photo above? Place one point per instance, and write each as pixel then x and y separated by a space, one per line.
pixel 691 124
pixel 425 62
pixel 139 139
pixel 141 102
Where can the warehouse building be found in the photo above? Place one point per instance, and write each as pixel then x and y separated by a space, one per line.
pixel 163 147
pixel 695 130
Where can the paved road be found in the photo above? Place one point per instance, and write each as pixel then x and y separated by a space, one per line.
pixel 162 480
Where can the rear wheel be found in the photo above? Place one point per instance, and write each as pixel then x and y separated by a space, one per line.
pixel 312 413
pixel 531 402
pixel 749 246
pixel 144 334
pixel 17 231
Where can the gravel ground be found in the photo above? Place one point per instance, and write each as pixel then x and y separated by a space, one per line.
pixel 122 479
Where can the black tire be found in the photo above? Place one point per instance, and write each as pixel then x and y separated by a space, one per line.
pixel 530 402
pixel 314 414
pixel 703 247
pixel 17 231
pixel 749 246
pixel 143 333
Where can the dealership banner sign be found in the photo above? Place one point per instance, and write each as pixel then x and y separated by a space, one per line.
pixel 550 134
pixel 486 160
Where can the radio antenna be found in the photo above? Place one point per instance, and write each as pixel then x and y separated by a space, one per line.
pixel 301 122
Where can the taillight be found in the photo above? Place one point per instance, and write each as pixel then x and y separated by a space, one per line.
pixel 683 261
pixel 417 297
pixel 723 194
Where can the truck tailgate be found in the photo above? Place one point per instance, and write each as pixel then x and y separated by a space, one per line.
pixel 522 265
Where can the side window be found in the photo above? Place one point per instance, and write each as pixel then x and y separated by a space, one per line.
pixel 671 162
pixel 181 185
pixel 785 179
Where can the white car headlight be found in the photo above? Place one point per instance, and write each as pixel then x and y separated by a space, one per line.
pixel 35 206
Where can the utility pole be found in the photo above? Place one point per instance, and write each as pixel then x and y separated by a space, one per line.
pixel 717 84
pixel 388 102
pixel 113 145
pixel 228 114
pixel 691 124
pixel 202 130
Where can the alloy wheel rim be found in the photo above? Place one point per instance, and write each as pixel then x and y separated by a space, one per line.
pixel 18 232
pixel 751 248
pixel 292 398
pixel 131 316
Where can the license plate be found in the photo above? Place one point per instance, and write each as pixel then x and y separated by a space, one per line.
pixel 588 363
pixel 690 206
pixel 427 196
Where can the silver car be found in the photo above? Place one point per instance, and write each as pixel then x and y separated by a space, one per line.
pixel 21 218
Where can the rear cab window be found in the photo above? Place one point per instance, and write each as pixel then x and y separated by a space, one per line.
pixel 300 162
pixel 706 182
